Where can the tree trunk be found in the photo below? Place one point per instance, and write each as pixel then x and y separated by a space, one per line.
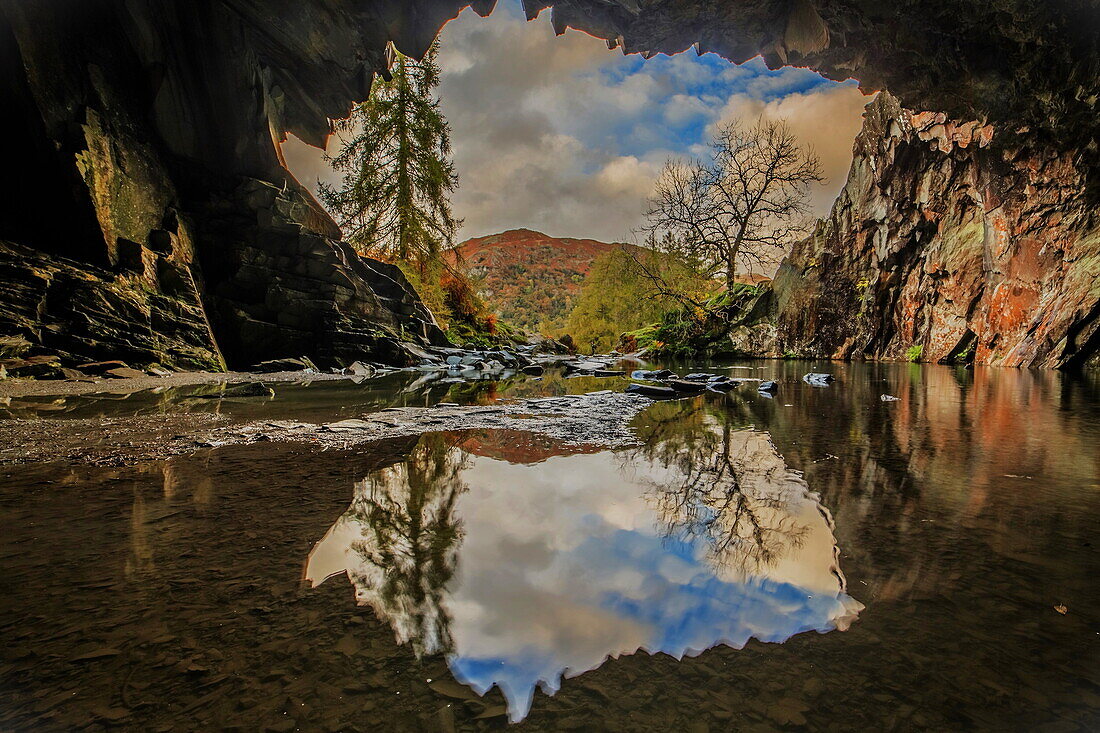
pixel 731 269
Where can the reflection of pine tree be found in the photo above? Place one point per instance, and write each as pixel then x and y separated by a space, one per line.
pixel 410 542
pixel 730 495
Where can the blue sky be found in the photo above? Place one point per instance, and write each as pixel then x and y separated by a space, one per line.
pixel 696 89
pixel 562 135
pixel 681 616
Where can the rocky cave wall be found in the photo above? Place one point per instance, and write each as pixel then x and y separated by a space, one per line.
pixel 153 216
pixel 947 245
pixel 154 220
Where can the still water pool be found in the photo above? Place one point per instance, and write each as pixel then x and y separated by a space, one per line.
pixel 822 559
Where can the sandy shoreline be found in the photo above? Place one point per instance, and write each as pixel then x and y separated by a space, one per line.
pixel 594 419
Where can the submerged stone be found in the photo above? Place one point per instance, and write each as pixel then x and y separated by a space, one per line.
pixel 652 375
pixel 722 386
pixel 652 390
pixel 251 389
pixel 682 385
pixel 817 379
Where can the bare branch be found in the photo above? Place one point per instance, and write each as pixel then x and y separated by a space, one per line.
pixel 740 208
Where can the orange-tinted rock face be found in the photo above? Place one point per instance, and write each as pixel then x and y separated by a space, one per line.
pixel 948 239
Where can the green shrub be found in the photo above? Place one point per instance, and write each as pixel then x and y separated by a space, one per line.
pixel 914 352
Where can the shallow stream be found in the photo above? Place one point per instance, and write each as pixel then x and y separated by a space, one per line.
pixel 819 559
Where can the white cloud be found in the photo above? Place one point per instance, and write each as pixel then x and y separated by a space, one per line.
pixel 826 120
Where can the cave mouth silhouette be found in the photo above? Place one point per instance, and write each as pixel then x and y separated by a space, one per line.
pixel 574 152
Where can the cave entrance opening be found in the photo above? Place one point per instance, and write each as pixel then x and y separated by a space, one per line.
pixel 559 140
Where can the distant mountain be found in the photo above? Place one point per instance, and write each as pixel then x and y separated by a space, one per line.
pixel 528 277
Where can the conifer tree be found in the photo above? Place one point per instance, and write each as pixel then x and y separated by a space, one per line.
pixel 393 202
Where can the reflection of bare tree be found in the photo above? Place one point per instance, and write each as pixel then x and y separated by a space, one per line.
pixel 409 542
pixel 732 492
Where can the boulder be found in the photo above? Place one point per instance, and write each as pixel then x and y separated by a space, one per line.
pixel 12 347
pixel 271 366
pixel 722 386
pixel 534 370
pixel 101 367
pixel 767 386
pixel 682 385
pixel 125 373
pixel 359 369
pixel 418 353
pixel 652 375
pixel 652 390
pixel 34 367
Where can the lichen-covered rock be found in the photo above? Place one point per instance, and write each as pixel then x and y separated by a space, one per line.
pixel 83 313
pixel 37 367
pixel 758 339
pixel 948 244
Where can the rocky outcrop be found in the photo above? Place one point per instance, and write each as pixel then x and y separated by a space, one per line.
pixel 85 313
pixel 275 286
pixel 947 245
pixel 142 126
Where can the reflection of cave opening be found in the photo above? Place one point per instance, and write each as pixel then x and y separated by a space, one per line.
pixel 526 561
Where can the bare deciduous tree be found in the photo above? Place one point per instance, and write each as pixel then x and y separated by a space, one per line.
pixel 742 206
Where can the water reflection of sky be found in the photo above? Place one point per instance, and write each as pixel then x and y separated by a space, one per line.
pixel 566 562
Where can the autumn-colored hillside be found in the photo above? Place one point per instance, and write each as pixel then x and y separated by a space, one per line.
pixel 530 278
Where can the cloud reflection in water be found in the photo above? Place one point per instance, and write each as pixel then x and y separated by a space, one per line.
pixel 522 574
